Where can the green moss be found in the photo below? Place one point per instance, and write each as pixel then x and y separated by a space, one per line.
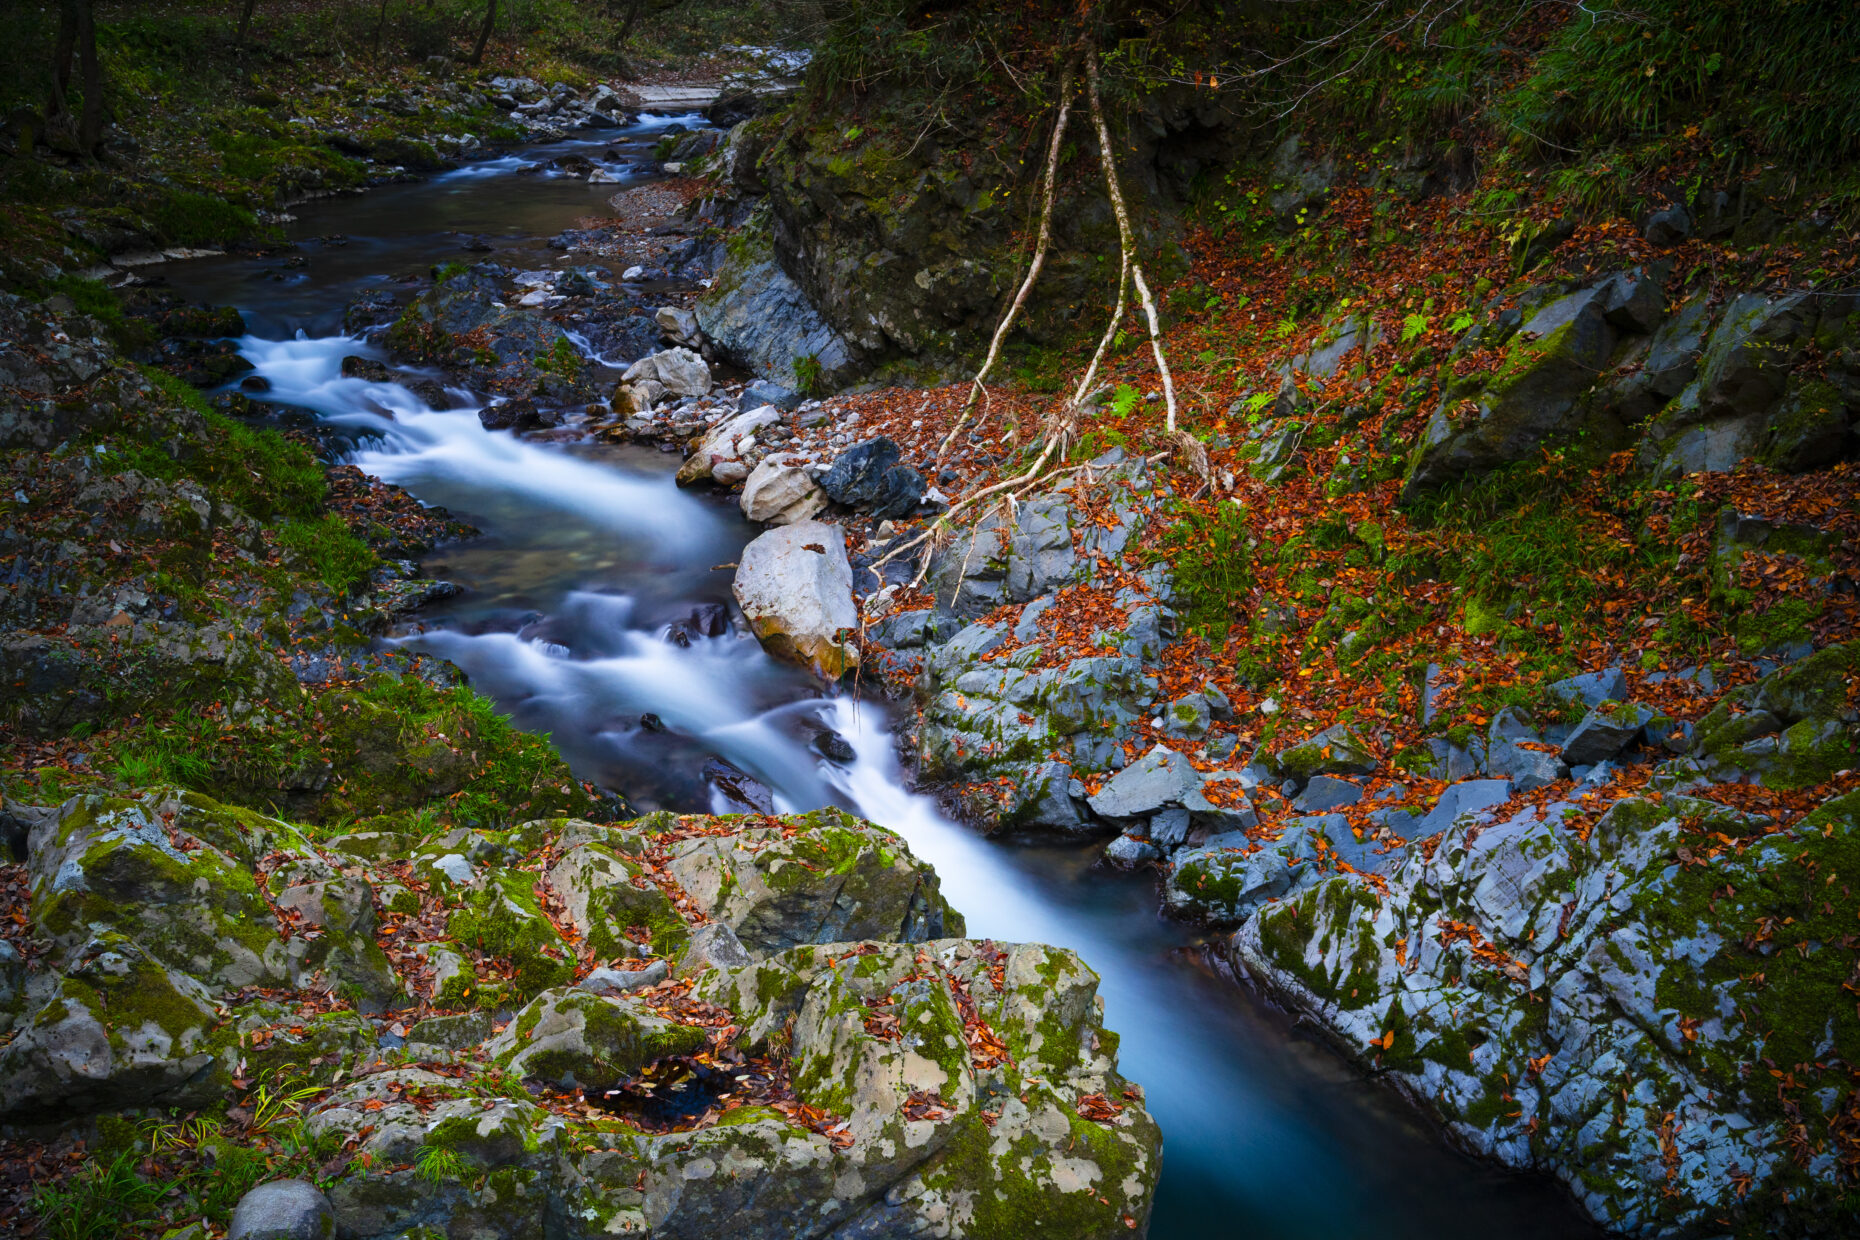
pixel 329 551
pixel 505 921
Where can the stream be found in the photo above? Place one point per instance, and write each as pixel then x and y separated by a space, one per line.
pixel 590 554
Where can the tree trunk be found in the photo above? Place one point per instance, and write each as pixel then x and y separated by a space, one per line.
pixel 245 21
pixel 633 10
pixel 1126 238
pixel 90 127
pixel 380 28
pixel 56 107
pixel 484 31
pixel 77 35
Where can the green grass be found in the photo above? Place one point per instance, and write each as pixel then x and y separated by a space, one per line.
pixel 1211 565
pixel 184 218
pixel 101 1202
pixel 258 471
pixel 329 550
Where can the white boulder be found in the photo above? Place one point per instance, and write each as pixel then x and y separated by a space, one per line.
pixel 794 585
pixel 680 371
pixel 780 491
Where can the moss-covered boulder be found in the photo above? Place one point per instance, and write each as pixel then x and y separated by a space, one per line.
pixel 1649 1008
pixel 573 1038
pixel 190 900
pixel 1491 417
pixel 824 877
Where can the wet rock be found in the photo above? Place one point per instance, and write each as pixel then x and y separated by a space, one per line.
pixel 1158 779
pixel 794 585
pixel 520 413
pixel 868 476
pixel 1128 852
pixel 283 1210
pixel 354 367
pixel 781 492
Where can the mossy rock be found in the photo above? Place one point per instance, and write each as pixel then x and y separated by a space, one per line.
pixel 573 1038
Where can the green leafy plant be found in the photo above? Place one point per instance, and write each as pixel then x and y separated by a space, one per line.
pixel 809 379
pixel 1208 556
pixel 1124 399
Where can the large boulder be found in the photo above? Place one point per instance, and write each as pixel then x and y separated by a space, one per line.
pixel 828 1059
pixel 868 476
pixel 283 1210
pixel 1604 999
pixel 677 371
pixel 823 878
pixel 1491 418
pixel 794 585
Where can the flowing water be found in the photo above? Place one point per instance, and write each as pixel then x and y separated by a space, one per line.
pixel 590 560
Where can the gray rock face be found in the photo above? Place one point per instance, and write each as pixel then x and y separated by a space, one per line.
pixel 762 321
pixel 1605 731
pixel 1159 778
pixel 869 476
pixel 1326 792
pixel 1466 797
pixel 1490 418
pixel 1526 768
pixel 1603 965
pixel 1040 555
pixel 794 585
pixel 283 1210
